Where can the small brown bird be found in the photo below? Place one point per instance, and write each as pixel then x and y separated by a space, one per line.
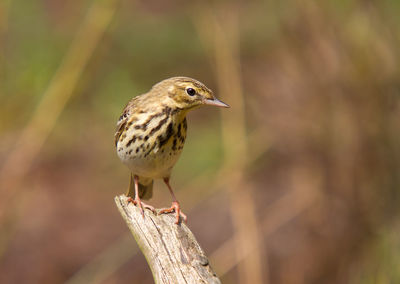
pixel 151 133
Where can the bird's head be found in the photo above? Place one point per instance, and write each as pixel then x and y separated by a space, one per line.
pixel 187 93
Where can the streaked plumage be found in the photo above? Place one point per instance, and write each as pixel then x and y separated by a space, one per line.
pixel 151 132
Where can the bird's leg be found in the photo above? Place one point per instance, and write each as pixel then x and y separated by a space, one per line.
pixel 175 207
pixel 137 200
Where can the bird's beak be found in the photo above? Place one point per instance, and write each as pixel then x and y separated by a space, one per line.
pixel 215 102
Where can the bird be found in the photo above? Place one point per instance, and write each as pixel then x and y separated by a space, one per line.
pixel 151 133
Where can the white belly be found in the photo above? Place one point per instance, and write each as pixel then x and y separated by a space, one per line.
pixel 157 164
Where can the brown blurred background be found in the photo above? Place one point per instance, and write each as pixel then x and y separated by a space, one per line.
pixel 297 183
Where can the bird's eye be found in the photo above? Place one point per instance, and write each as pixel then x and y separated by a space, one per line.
pixel 190 91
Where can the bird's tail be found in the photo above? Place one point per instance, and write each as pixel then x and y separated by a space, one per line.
pixel 145 188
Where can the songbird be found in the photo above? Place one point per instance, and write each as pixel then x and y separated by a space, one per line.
pixel 151 132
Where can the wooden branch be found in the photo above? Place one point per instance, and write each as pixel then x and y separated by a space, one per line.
pixel 171 250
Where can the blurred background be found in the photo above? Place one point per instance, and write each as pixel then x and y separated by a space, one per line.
pixel 298 182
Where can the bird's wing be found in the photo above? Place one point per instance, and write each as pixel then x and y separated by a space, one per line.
pixel 121 125
pixel 135 105
pixel 123 119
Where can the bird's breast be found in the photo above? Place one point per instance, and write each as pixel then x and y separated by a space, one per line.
pixel 152 143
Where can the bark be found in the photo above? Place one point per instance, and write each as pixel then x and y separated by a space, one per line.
pixel 171 250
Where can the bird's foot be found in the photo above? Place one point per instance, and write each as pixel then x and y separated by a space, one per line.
pixel 175 207
pixel 142 205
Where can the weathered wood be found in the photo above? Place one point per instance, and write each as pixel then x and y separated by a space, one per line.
pixel 171 250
